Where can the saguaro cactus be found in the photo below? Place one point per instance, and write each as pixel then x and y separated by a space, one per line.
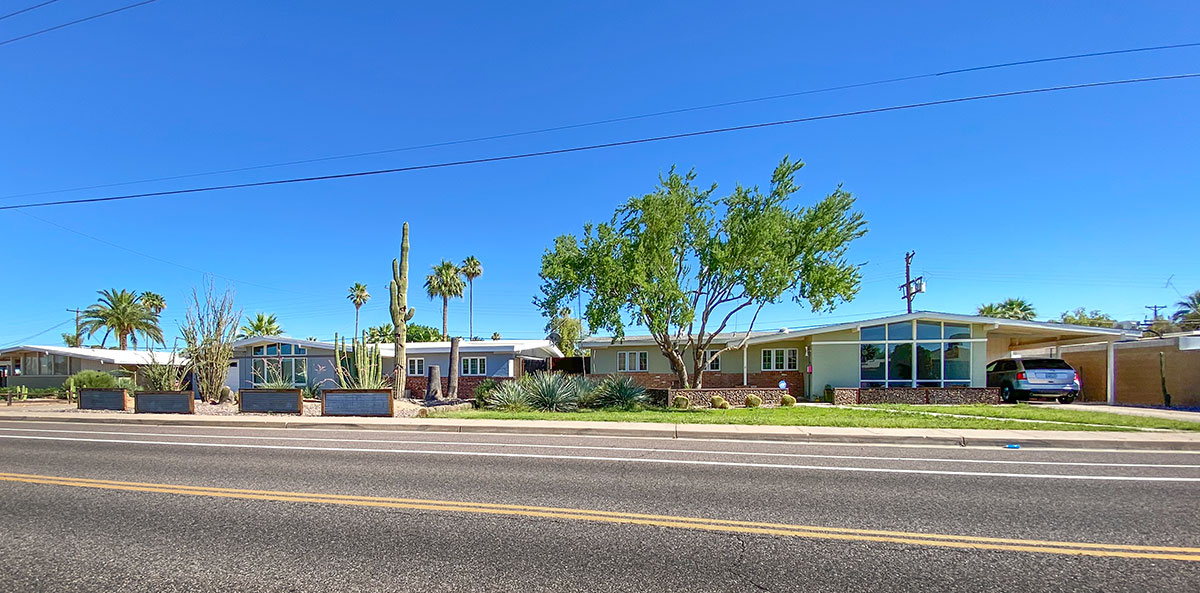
pixel 401 314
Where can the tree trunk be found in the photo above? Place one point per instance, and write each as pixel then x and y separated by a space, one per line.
pixel 123 341
pixel 678 365
pixel 445 318
pixel 471 310
pixel 434 390
pixel 356 322
pixel 452 387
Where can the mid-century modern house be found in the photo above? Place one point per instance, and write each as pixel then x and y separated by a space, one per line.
pixel 40 367
pixel 304 362
pixel 924 349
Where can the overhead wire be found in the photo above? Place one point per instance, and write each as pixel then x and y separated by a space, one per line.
pixel 589 147
pixel 25 10
pixel 75 22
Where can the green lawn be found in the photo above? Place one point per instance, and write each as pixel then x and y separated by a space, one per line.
pixel 1028 412
pixel 798 416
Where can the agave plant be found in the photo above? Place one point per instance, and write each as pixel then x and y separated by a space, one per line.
pixel 551 392
pixel 620 391
pixel 509 396
pixel 586 388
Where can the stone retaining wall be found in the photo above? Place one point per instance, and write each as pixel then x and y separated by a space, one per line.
pixel 736 396
pixel 844 396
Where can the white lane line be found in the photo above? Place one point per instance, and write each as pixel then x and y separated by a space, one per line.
pixel 600 448
pixel 617 459
pixel 551 435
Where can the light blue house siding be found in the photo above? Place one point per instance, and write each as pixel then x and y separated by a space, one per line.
pixel 497 364
pixel 319 367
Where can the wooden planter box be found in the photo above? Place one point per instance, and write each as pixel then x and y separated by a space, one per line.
pixel 356 402
pixel 105 399
pixel 279 401
pixel 164 402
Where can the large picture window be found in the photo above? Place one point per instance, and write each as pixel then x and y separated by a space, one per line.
pixel 915 354
pixel 44 365
pixel 278 363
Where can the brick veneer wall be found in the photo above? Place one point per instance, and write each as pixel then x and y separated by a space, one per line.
pixel 466 385
pixel 844 396
pixel 736 396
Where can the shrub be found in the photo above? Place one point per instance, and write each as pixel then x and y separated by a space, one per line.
pixel 787 400
pixel 92 380
pixel 682 402
pixel 586 388
pixel 482 390
pixel 550 392
pixel 509 396
pixel 753 401
pixel 620 391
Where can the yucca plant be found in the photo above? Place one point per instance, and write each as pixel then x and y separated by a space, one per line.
pixel 509 396
pixel 551 392
pixel 586 388
pixel 620 391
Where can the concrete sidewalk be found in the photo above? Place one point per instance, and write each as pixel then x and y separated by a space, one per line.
pixel 1157 441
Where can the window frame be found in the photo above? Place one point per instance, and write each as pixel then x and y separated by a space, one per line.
pixel 480 366
pixel 715 363
pixel 416 367
pixel 789 356
pixel 641 359
pixel 941 345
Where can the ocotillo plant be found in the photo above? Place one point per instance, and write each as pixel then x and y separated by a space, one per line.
pixel 401 314
pixel 365 368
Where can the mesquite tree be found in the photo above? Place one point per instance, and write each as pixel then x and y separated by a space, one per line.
pixel 683 263
pixel 401 314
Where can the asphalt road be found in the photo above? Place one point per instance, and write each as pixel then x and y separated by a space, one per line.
pixel 102 507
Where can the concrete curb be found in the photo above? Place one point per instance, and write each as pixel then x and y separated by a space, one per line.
pixel 793 434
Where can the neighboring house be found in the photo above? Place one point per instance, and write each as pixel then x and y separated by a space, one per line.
pixel 303 362
pixel 925 349
pixel 40 367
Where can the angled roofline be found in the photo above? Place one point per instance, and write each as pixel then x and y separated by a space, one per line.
pixel 104 355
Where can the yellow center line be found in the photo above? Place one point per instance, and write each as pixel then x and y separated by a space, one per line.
pixel 696 523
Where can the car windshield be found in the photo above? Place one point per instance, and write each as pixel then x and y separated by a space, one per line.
pixel 1052 364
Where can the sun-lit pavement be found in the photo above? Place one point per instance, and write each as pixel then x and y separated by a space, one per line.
pixel 160 508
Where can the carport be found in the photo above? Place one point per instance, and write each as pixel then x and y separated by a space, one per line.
pixel 1007 337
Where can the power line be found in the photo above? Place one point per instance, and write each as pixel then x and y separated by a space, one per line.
pixel 616 119
pixel 24 10
pixel 27 338
pixel 589 147
pixel 75 22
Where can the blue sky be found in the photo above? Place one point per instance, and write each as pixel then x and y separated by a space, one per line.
pixel 1081 198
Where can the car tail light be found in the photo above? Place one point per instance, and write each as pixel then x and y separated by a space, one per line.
pixel 1021 376
pixel 1076 376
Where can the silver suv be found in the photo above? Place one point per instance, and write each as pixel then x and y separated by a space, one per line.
pixel 1023 378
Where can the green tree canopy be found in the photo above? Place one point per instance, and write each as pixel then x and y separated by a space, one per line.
pixel 1018 309
pixel 565 331
pixel 121 312
pixel 261 325
pixel 1093 318
pixel 424 333
pixel 358 296
pixel 154 302
pixel 683 262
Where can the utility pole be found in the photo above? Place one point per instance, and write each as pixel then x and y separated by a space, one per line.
pixel 78 336
pixel 912 286
pixel 1155 309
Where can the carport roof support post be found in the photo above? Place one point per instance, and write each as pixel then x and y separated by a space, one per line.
pixel 1111 369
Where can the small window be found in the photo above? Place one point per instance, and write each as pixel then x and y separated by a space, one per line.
pixel 474 366
pixel 929 330
pixel 632 361
pixel 258 351
pixel 416 366
pixel 301 351
pixel 272 349
pixel 714 360
pixel 874 332
pixel 958 331
pixel 900 331
pixel 285 349
pixel 781 359
pixel 1049 364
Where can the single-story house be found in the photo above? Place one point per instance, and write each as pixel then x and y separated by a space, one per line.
pixel 304 362
pixel 41 367
pixel 923 349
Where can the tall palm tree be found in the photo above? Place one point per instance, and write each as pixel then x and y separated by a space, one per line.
pixel 1188 314
pixel 261 325
pixel 154 302
pixel 121 312
pixel 471 269
pixel 359 296
pixel 444 283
